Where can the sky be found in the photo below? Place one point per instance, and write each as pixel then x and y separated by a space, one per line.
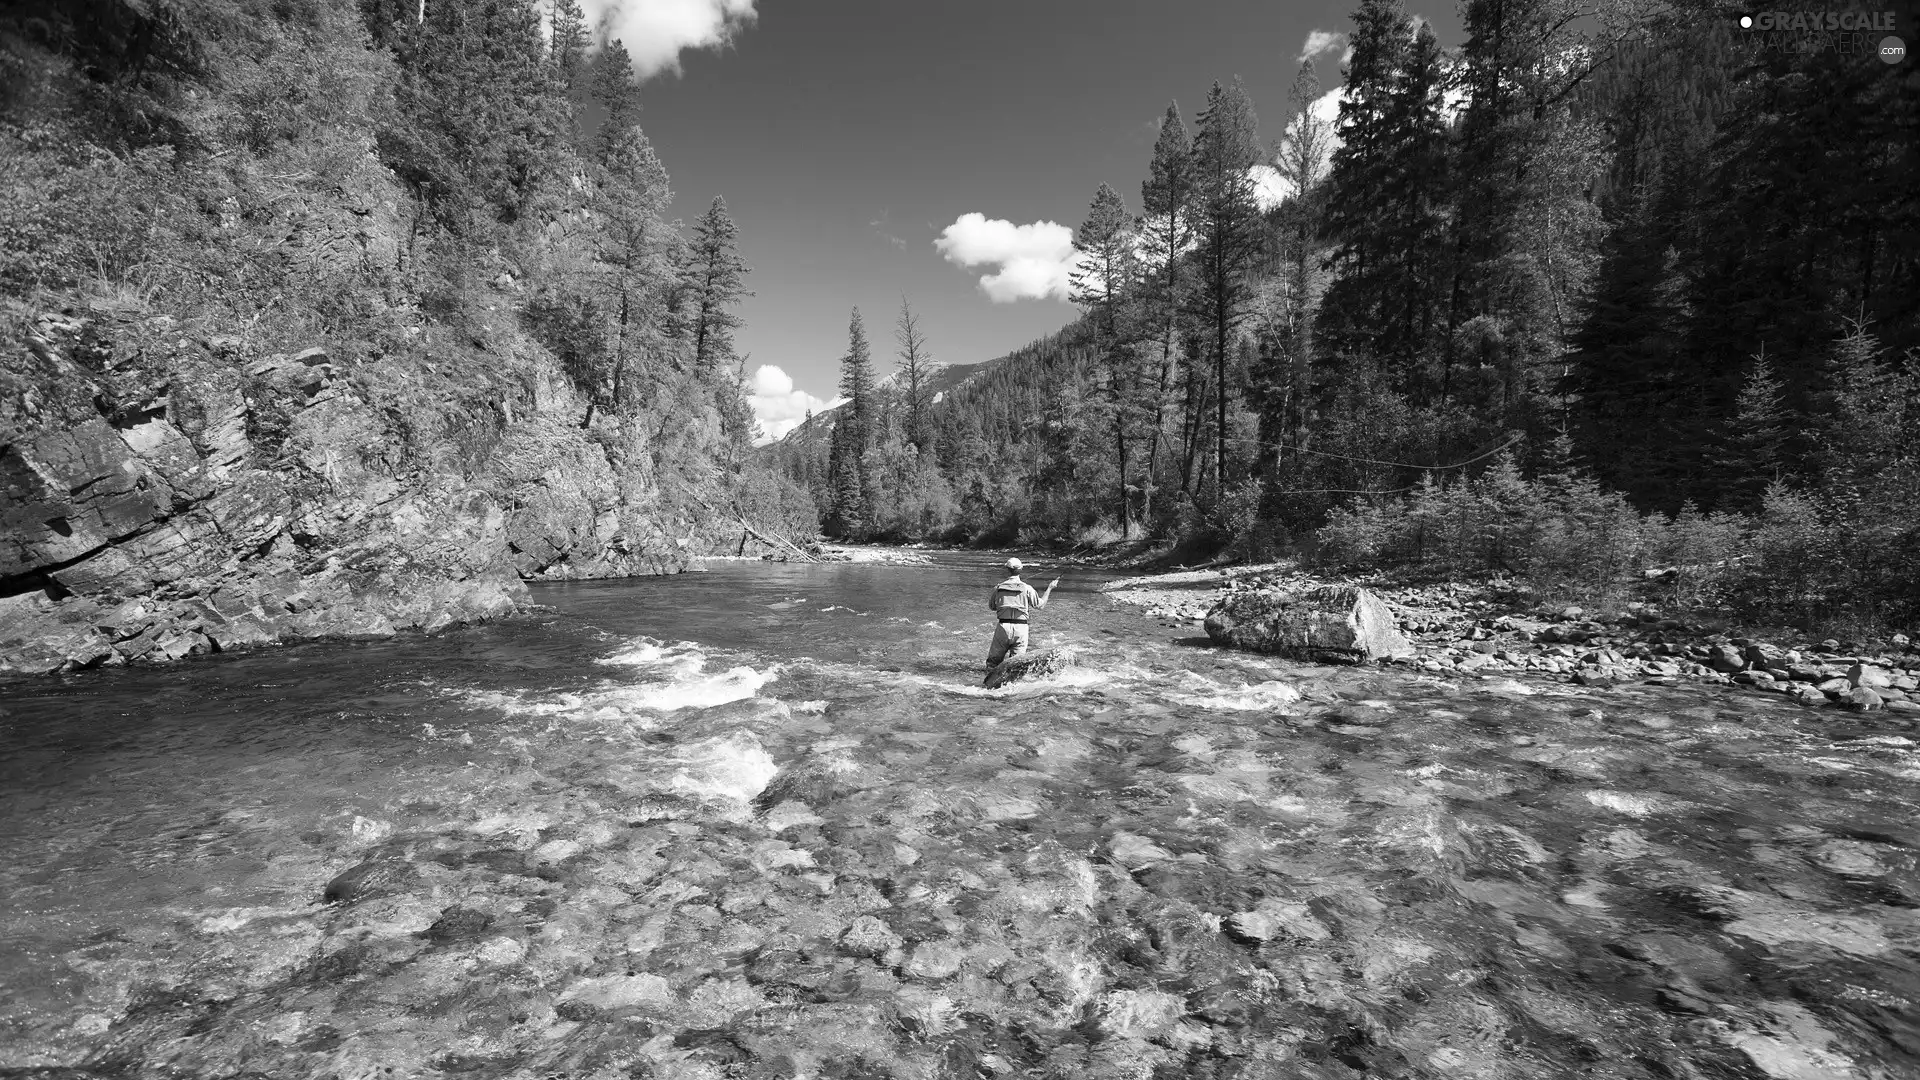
pixel 871 150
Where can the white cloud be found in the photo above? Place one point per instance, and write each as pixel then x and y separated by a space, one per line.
pixel 656 31
pixel 1270 188
pixel 1455 99
pixel 1326 107
pixel 1031 262
pixel 1320 42
pixel 778 405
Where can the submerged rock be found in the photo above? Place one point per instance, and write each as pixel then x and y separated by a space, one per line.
pixel 1328 624
pixel 375 877
pixel 1031 666
pixel 458 923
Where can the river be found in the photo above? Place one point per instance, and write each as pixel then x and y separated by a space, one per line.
pixel 763 822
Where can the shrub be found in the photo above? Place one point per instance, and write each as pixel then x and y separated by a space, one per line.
pixel 1560 531
pixel 1706 554
pixel 1100 534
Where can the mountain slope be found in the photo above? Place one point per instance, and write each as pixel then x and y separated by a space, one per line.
pixel 269 369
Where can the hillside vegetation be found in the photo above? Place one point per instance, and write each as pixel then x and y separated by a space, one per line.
pixel 321 320
pixel 1564 305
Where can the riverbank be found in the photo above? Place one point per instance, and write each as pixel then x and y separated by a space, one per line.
pixel 1467 631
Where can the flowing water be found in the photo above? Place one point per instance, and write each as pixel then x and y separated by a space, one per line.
pixel 763 822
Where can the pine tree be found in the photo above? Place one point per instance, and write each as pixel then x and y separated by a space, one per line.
pixel 616 94
pixel 850 512
pixel 1416 212
pixel 637 254
pixel 1364 173
pixel 1103 280
pixel 484 118
pixel 1753 442
pixel 1166 233
pixel 1644 408
pixel 1634 413
pixel 713 285
pixel 388 22
pixel 1228 231
pixel 1868 419
pixel 568 45
pixel 1518 162
pixel 918 367
pixel 1278 380
pixel 1808 220
pixel 856 377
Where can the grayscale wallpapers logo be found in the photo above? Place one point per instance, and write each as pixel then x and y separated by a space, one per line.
pixel 1853 33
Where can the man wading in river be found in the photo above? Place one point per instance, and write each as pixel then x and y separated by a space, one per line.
pixel 1013 601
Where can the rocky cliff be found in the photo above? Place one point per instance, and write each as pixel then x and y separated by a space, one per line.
pixel 168 491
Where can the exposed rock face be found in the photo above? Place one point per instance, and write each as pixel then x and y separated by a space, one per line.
pixel 163 496
pixel 1329 624
pixel 1031 666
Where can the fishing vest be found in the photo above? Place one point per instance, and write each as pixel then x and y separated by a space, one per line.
pixel 1010 600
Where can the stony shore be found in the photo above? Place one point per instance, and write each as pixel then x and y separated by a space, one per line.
pixel 1461 631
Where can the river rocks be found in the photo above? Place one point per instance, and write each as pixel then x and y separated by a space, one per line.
pixel 869 937
pixel 1331 624
pixel 1031 666
pixel 1460 631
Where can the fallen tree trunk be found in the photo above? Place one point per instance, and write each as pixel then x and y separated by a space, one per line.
pixel 775 540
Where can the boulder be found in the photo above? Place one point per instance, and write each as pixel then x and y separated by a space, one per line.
pixel 1869 675
pixel 1031 666
pixel 375 877
pixel 1807 695
pixel 1726 659
pixel 1862 698
pixel 1328 624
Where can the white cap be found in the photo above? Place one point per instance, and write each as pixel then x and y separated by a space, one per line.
pixel 1013 565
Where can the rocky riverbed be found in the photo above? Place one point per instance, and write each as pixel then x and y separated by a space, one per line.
pixel 1461 630
pixel 571 847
